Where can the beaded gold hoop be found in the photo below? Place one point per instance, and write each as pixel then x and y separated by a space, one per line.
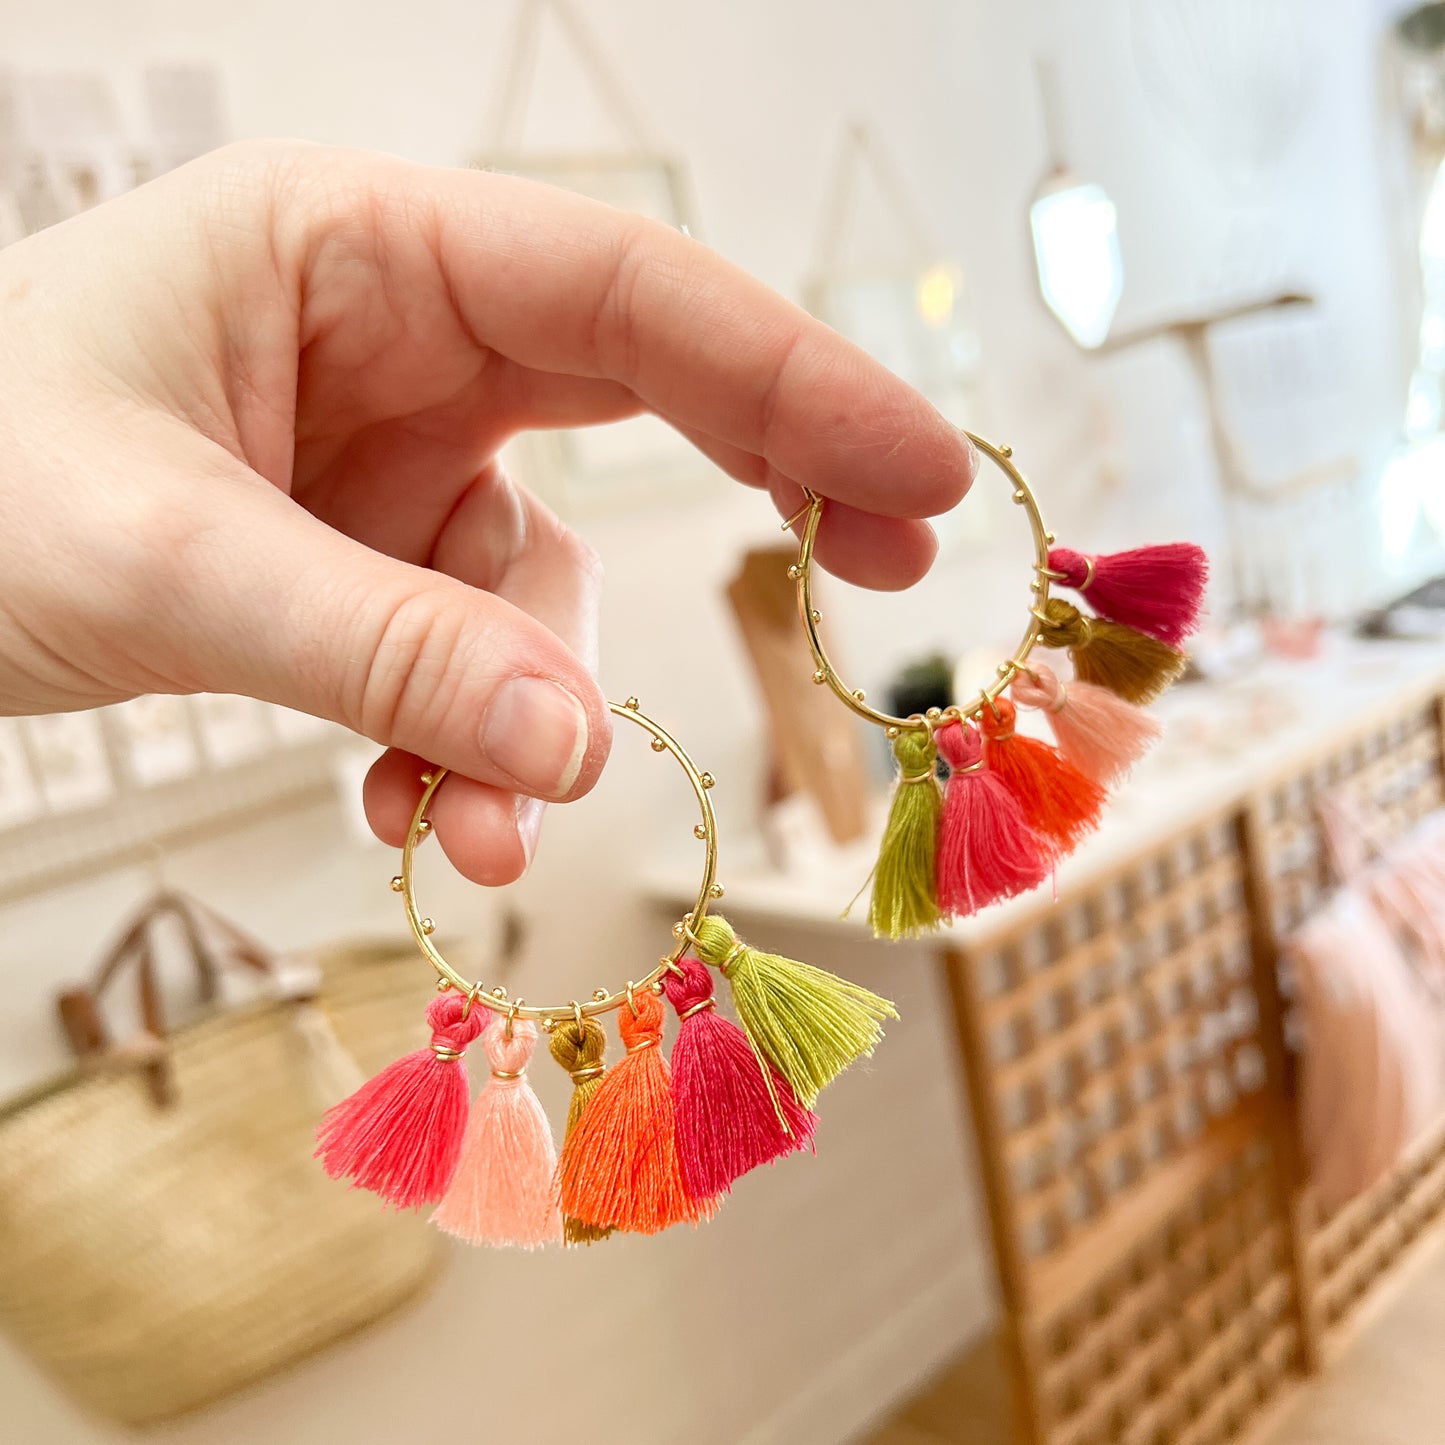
pixel 648 1144
pixel 1014 805
pixel 827 675
pixel 602 1000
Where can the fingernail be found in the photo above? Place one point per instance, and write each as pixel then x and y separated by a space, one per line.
pixel 975 457
pixel 529 824
pixel 536 733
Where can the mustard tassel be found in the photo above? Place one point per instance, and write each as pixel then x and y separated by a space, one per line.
pixel 578 1045
pixel 1132 665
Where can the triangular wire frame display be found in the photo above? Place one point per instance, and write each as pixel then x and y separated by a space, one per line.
pixel 912 311
pixel 613 468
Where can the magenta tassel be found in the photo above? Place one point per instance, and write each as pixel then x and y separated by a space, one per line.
pixel 1158 590
pixel 731 1115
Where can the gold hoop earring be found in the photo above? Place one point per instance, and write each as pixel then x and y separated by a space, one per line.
pixel 405 1134
pixel 1019 805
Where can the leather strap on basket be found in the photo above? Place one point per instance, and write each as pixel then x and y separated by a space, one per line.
pixel 134 952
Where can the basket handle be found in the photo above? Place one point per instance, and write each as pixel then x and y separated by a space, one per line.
pixel 81 1015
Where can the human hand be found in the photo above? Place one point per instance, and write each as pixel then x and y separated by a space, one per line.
pixel 249 424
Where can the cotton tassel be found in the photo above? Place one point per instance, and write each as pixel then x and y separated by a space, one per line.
pixel 501 1192
pixel 1058 802
pixel 1100 734
pixel 1130 664
pixel 579 1047
pixel 905 884
pixel 734 1109
pixel 986 849
pixel 399 1135
pixel 620 1166
pixel 809 1023
pixel 1158 590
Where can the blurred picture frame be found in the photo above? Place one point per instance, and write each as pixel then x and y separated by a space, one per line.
pixel 155 739
pixel 232 729
pixel 641 461
pixel 69 753
pixel 20 800
pixel 907 305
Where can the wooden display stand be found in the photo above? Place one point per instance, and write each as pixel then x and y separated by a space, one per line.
pixel 817 746
pixel 1165 1278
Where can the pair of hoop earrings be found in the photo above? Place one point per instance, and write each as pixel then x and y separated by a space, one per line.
pixel 649 1143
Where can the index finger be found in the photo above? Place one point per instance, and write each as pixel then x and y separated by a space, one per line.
pixel 561 283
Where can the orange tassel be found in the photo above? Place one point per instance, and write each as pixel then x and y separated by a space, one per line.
pixel 1059 802
pixel 620 1167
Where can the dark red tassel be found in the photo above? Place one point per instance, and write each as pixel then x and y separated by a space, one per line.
pixel 400 1134
pixel 986 850
pixel 1158 590
pixel 734 1110
pixel 1059 802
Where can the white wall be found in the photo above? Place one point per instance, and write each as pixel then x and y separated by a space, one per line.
pixel 842 1278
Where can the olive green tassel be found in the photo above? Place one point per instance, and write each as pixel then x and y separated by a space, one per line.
pixel 905 882
pixel 578 1045
pixel 1131 664
pixel 809 1023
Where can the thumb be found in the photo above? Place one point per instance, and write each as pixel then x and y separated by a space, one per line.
pixel 292 611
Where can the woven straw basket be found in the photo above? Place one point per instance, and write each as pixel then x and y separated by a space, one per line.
pixel 155 1256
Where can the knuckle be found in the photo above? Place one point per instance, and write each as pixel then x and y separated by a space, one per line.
pixel 613 333
pixel 580 556
pixel 411 670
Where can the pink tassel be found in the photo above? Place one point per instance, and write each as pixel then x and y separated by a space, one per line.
pixel 1158 590
pixel 400 1133
pixel 501 1192
pixel 1058 802
pixel 986 851
pixel 731 1114
pixel 1100 734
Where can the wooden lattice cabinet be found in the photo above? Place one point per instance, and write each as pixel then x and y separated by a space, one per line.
pixel 1164 1276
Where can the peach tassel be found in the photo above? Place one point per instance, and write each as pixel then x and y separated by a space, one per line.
pixel 1100 734
pixel 501 1192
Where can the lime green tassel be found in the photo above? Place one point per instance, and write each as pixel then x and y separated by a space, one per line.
pixel 905 883
pixel 810 1023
